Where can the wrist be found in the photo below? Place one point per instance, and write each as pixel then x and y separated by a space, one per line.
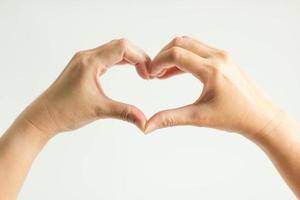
pixel 30 132
pixel 262 120
pixel 269 125
pixel 37 117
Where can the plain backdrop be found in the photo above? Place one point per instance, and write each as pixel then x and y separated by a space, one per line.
pixel 112 159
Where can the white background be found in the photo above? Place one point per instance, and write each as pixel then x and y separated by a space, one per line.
pixel 111 159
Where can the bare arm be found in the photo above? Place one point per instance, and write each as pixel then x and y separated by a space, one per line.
pixel 73 100
pixel 281 142
pixel 18 148
pixel 229 101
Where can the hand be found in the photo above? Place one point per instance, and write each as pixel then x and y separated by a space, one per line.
pixel 229 100
pixel 77 98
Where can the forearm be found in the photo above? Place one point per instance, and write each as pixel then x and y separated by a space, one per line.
pixel 281 142
pixel 19 146
pixel 74 99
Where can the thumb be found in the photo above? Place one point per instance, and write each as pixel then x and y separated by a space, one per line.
pixel 172 117
pixel 127 112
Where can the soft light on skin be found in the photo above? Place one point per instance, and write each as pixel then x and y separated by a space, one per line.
pixel 249 113
pixel 56 110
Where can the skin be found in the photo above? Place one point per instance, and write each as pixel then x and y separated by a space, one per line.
pixel 229 101
pixel 72 101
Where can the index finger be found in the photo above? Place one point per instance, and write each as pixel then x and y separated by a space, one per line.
pixel 192 45
pixel 123 51
pixel 183 59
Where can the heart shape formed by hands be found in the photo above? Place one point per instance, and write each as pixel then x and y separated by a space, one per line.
pixel 221 78
pixel 228 101
pixel 170 62
pixel 209 65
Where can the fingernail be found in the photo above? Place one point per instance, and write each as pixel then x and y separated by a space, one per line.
pixel 161 73
pixel 150 128
pixel 142 126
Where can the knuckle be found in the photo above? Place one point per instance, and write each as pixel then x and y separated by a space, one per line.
pixel 210 63
pixel 113 41
pixel 216 71
pixel 123 43
pixel 175 53
pixel 83 58
pixel 168 121
pixel 199 117
pixel 223 55
pixel 186 37
pixel 99 112
pixel 214 66
pixel 177 41
pixel 85 61
pixel 126 114
pixel 79 54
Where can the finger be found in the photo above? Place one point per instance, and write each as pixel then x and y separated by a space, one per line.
pixel 169 73
pixel 182 59
pixel 123 51
pixel 200 44
pixel 189 44
pixel 172 117
pixel 126 112
pixel 192 45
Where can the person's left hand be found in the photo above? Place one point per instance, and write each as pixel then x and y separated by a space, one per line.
pixel 229 100
pixel 77 98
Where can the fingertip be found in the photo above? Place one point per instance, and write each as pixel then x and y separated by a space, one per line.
pixel 162 73
pixel 142 70
pixel 151 68
pixel 152 124
pixel 148 67
pixel 150 127
pixel 140 119
pixel 151 77
pixel 141 124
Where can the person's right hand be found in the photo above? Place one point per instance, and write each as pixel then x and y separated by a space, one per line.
pixel 77 98
pixel 229 100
